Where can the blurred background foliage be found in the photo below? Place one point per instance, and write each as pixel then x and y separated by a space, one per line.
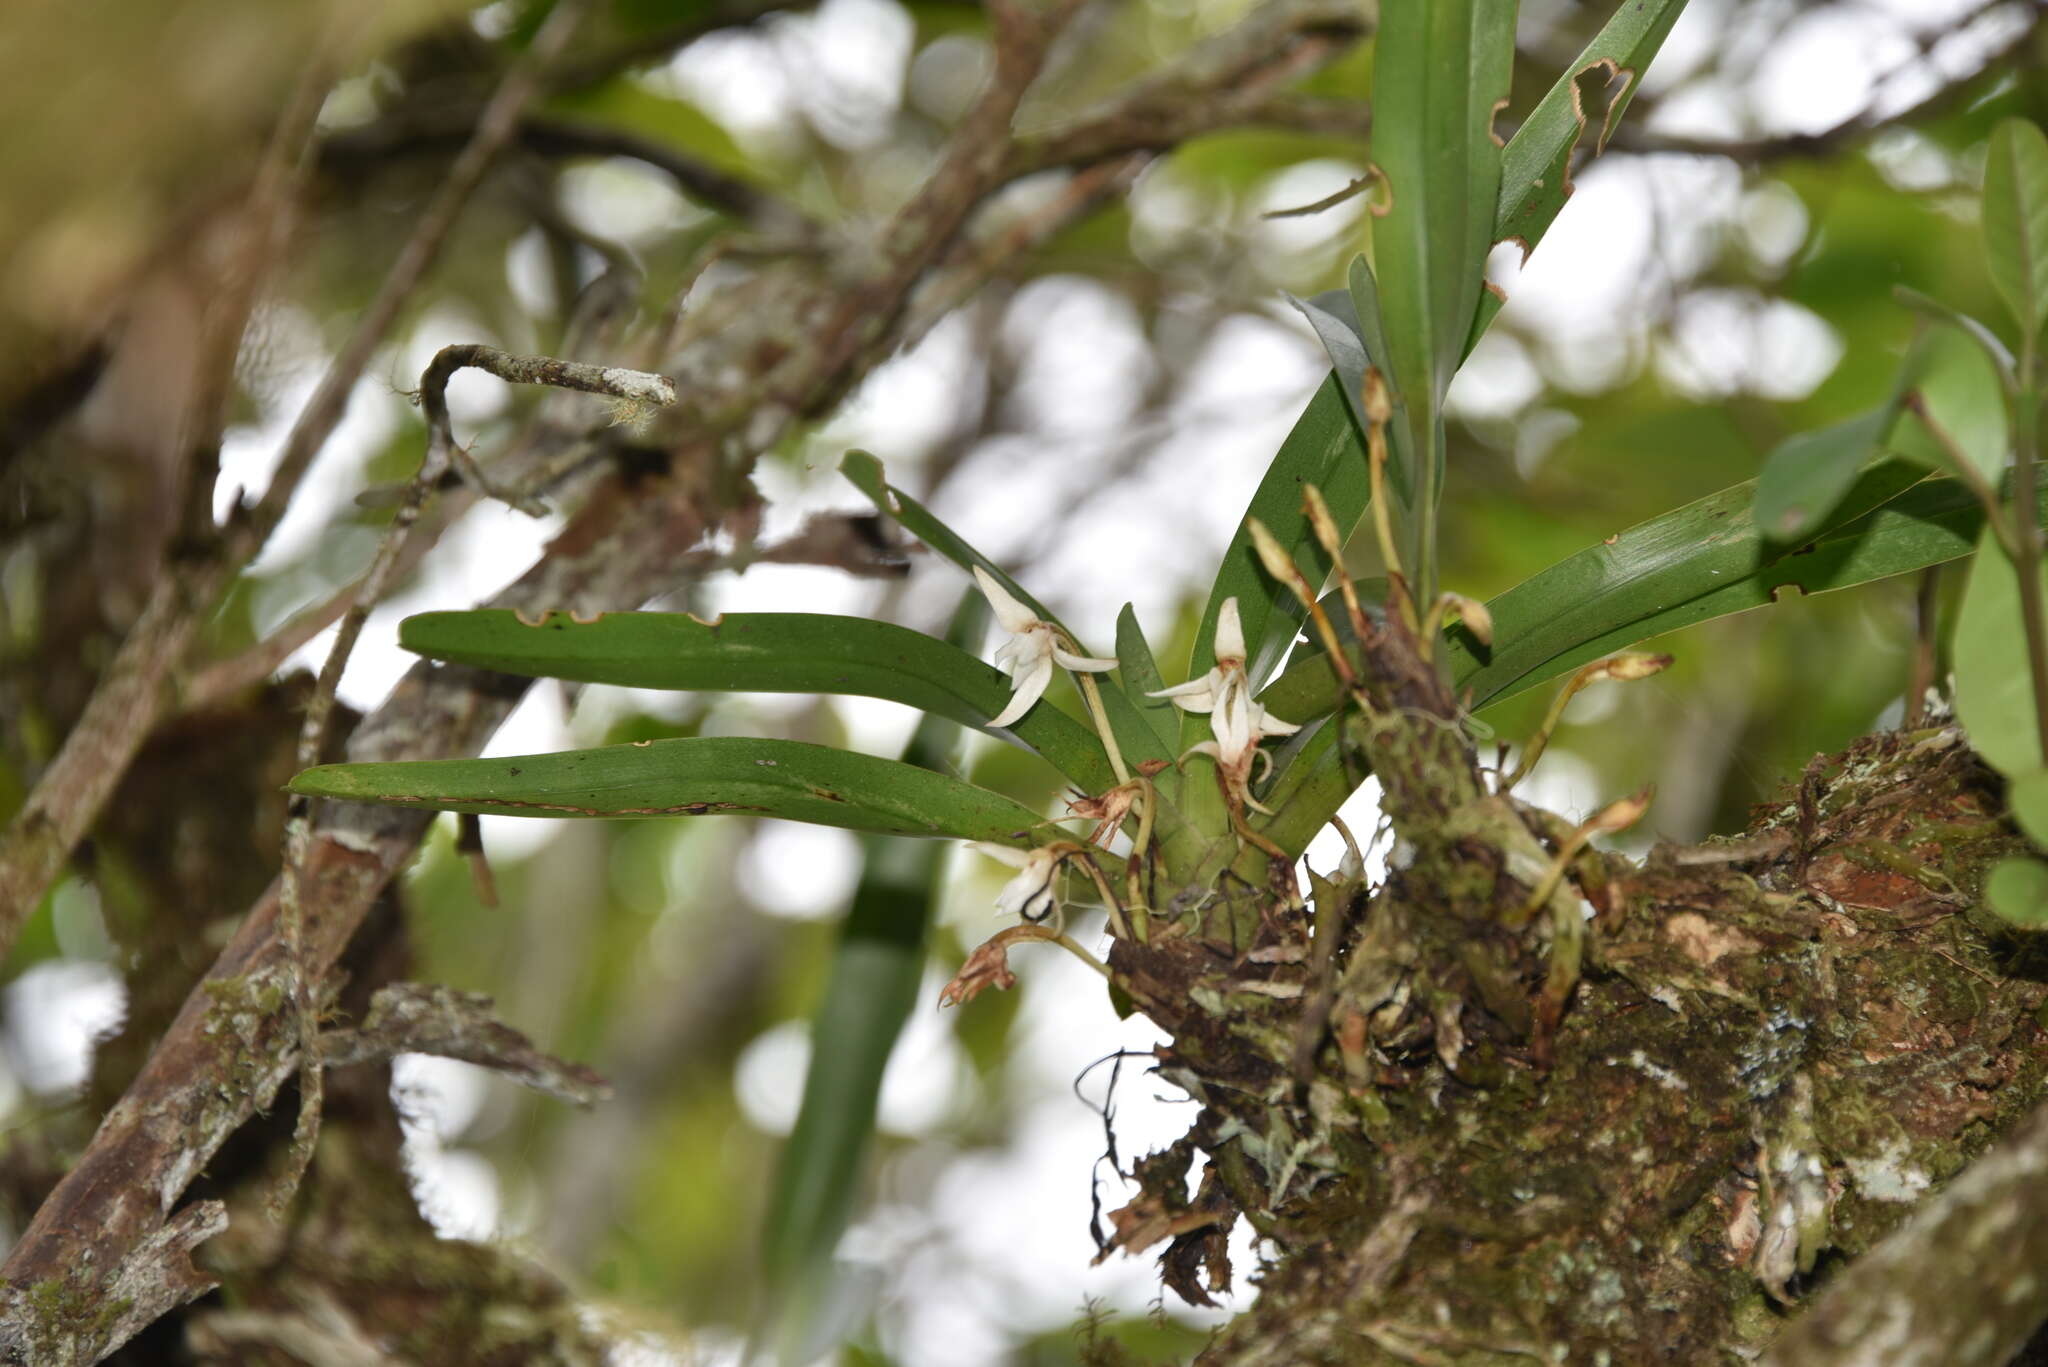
pixel 1094 416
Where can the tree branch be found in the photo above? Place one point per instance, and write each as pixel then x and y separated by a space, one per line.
pixel 1959 1283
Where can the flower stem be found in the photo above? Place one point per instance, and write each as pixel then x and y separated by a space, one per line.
pixel 1102 727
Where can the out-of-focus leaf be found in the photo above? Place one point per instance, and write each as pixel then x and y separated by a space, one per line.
pixel 1961 386
pixel 759 652
pixel 1699 562
pixel 1809 473
pixel 2027 795
pixel 1536 168
pixel 701 776
pixel 875 975
pixel 1986 340
pixel 2016 220
pixel 1994 686
pixel 2017 891
pixel 633 107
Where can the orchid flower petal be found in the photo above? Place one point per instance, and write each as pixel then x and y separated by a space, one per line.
pixel 1011 615
pixel 1269 725
pixel 1196 695
pixel 1229 633
pixel 1087 664
pixel 1032 679
pixel 1002 854
pixel 1030 895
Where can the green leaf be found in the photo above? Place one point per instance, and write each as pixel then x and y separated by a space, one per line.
pixel 2016 221
pixel 1960 384
pixel 1536 168
pixel 702 776
pixel 2027 796
pixel 1141 677
pixel 1702 561
pixel 1347 322
pixel 1699 562
pixel 1326 450
pixel 1809 473
pixel 1986 340
pixel 1440 70
pixel 2017 891
pixel 1994 686
pixel 759 652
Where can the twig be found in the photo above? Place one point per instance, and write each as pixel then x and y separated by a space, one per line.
pixel 553 136
pixel 1329 201
pixel 631 386
pixel 223 679
pixel 426 1018
pixel 494 127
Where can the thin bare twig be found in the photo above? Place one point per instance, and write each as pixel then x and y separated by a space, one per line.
pixel 630 386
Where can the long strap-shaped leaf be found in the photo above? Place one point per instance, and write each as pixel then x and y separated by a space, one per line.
pixel 759 652
pixel 1930 524
pixel 702 776
pixel 1702 561
pixel 1440 69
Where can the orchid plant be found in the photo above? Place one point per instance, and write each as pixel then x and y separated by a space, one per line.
pixel 1351 677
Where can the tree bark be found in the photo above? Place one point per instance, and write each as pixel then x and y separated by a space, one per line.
pixel 1780 1044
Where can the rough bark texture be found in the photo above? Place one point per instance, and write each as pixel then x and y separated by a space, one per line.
pixel 1778 1046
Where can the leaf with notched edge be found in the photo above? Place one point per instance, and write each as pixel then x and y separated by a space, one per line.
pixel 701 776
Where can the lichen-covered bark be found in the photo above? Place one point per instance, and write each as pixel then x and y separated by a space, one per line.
pixel 1777 1046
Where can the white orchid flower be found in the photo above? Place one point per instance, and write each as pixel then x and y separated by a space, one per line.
pixel 1030 895
pixel 1033 649
pixel 1225 694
